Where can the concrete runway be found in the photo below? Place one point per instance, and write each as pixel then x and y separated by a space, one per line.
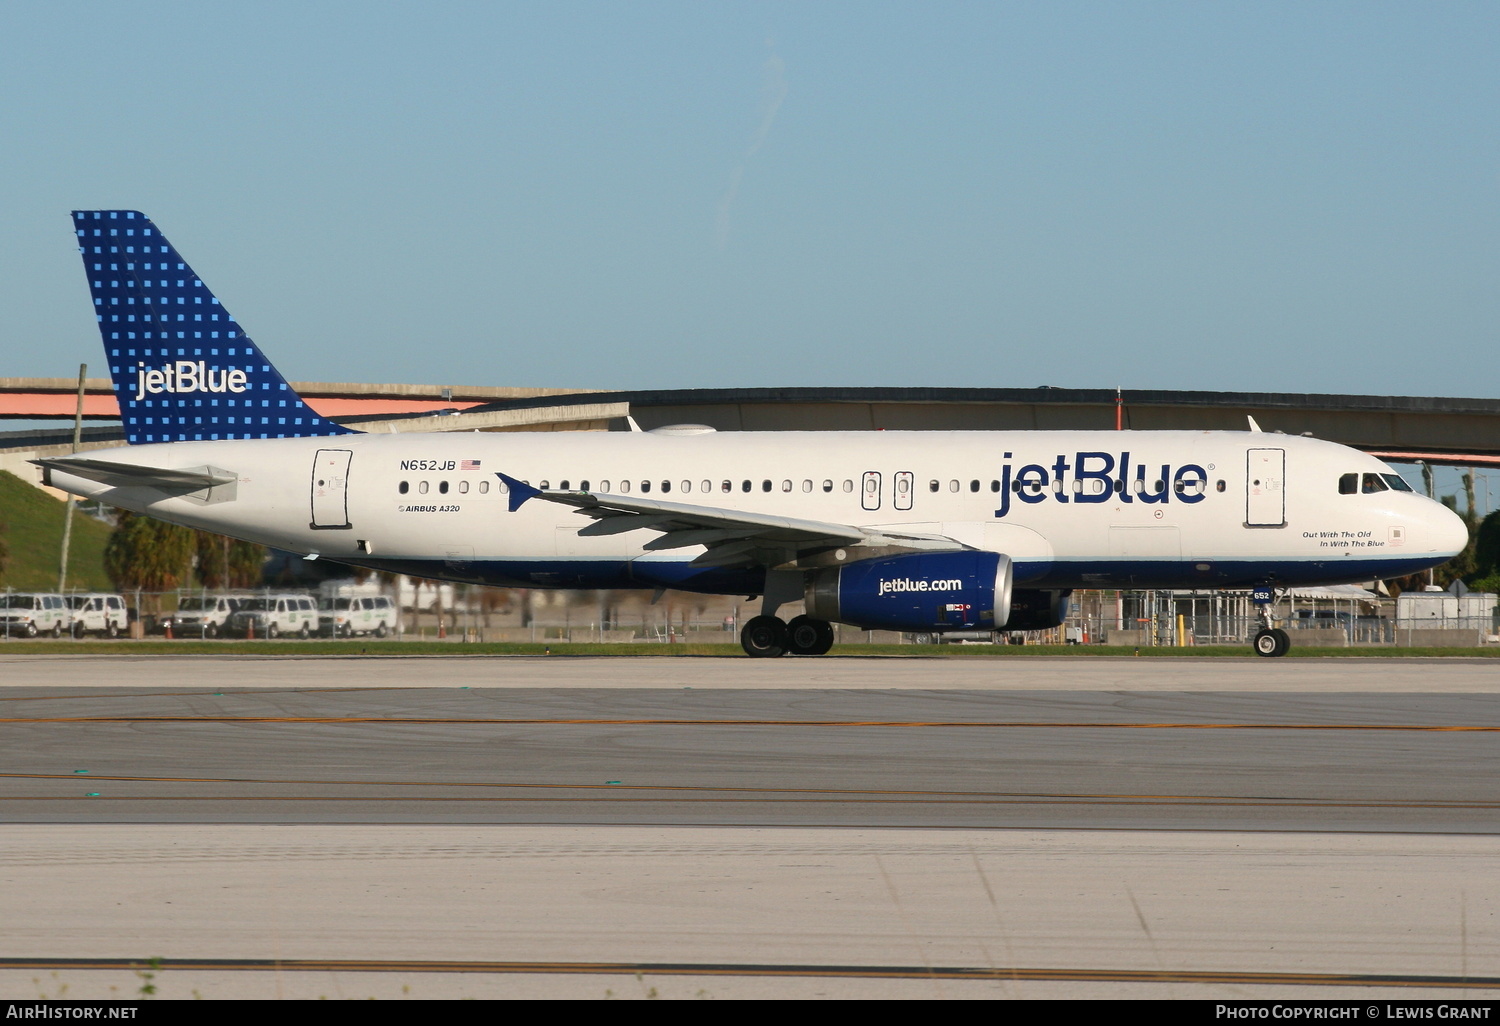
pixel 958 673
pixel 728 827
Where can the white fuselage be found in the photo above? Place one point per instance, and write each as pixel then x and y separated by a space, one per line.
pixel 1071 508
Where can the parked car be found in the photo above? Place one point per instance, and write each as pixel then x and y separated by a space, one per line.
pixel 270 616
pixel 26 614
pixel 102 613
pixel 201 616
pixel 346 617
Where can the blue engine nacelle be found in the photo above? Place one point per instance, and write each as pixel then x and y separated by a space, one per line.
pixel 915 591
pixel 1037 610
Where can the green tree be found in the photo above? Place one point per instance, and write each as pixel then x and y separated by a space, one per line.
pixel 149 555
pixel 4 552
pixel 228 563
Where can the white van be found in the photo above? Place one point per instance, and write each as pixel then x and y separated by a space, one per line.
pixel 102 613
pixel 201 616
pixel 26 614
pixel 346 617
pixel 271 616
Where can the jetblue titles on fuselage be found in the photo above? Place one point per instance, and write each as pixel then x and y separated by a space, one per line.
pixel 1035 482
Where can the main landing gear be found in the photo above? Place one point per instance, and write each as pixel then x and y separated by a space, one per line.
pixel 769 636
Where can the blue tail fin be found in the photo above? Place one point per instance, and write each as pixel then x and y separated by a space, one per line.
pixel 182 367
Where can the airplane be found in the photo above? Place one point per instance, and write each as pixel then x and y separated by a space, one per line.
pixel 917 531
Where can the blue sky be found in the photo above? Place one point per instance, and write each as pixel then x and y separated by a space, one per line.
pixel 1284 197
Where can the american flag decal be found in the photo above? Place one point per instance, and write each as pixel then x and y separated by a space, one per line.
pixel 468 464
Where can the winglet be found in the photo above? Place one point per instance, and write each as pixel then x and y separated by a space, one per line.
pixel 520 491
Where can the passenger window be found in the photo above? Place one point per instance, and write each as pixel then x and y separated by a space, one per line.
pixel 786 486
pixel 666 486
pixel 624 487
pixel 744 486
pixel 933 486
pixel 463 488
pixel 404 488
pixel 604 486
pixel 807 486
pixel 973 486
pixel 563 485
pixel 994 486
pixel 543 484
pixel 848 485
pixel 484 486
pixel 708 486
pixel 726 487
pixel 827 485
pixel 645 486
pixel 1348 484
pixel 765 486
pixel 687 486
pixel 422 487
pixel 1220 485
pixel 583 486
pixel 443 487
pixel 953 486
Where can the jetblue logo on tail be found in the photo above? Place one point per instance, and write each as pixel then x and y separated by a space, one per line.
pixel 187 376
pixel 181 367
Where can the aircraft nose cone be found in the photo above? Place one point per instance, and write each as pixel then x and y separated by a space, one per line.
pixel 1449 532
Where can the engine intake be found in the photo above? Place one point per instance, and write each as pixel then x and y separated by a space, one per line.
pixel 1032 610
pixel 916 591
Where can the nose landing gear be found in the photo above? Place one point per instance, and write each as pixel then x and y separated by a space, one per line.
pixel 1270 641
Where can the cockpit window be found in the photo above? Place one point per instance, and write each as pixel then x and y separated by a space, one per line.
pixel 1373 483
pixel 1349 484
pixel 1397 482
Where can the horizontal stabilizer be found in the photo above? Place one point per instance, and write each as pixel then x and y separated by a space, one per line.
pixel 128 475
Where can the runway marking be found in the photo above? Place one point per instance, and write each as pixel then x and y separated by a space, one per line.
pixel 834 793
pixel 114 692
pixel 614 722
pixel 922 972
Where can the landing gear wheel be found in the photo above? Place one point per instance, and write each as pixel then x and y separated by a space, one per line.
pixel 1271 642
pixel 764 637
pixel 807 635
pixel 1285 639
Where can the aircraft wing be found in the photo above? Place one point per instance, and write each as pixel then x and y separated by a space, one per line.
pixel 126 475
pixel 731 537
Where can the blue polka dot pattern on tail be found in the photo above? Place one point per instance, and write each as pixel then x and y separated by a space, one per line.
pixel 182 368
